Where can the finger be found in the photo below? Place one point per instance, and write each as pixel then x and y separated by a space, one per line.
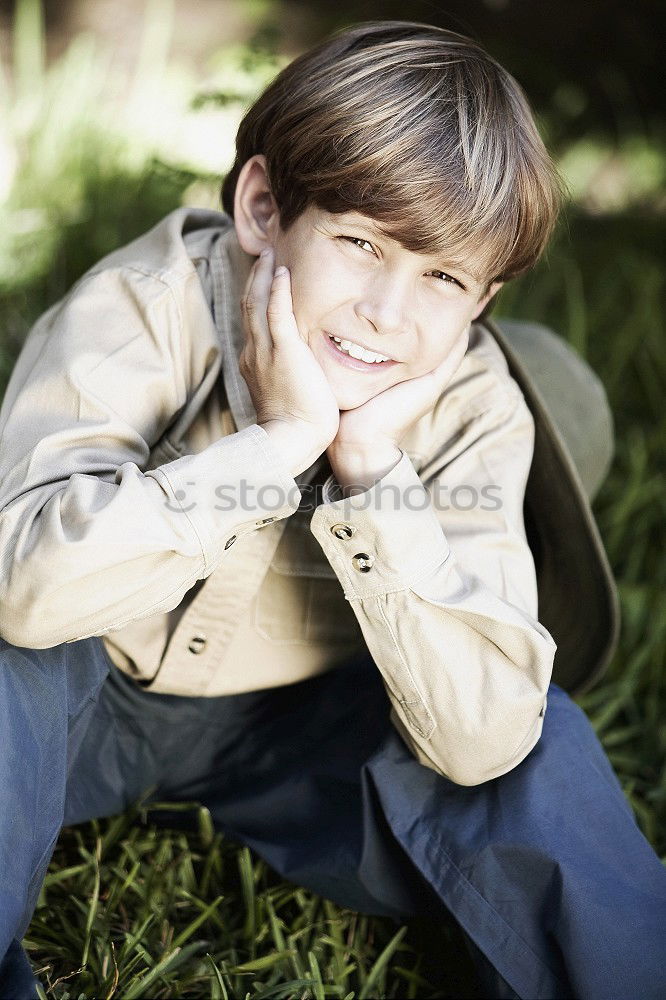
pixel 450 364
pixel 280 310
pixel 418 395
pixel 255 302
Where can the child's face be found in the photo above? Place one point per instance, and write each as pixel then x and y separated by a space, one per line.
pixel 349 281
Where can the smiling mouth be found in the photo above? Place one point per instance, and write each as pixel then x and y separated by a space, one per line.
pixel 357 363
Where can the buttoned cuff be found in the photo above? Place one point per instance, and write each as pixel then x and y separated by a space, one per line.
pixel 235 486
pixel 383 539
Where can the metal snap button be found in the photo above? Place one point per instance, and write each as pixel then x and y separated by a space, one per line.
pixel 230 541
pixel 343 530
pixel 363 562
pixel 197 644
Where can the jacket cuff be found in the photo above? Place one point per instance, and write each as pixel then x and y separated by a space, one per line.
pixel 383 539
pixel 233 487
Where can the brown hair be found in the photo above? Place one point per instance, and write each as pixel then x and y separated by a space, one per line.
pixel 416 127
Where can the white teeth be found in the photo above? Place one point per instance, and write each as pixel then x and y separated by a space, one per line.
pixel 359 352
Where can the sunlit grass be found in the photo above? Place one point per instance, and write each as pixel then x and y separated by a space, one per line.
pixel 62 124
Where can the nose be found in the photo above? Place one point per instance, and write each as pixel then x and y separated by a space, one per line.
pixel 385 303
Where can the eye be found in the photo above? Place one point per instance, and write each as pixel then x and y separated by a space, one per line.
pixel 356 240
pixel 449 279
pixel 445 278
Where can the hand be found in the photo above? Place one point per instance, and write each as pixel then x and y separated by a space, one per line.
pixel 288 387
pixel 376 427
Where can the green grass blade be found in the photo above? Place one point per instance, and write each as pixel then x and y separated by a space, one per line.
pixel 379 968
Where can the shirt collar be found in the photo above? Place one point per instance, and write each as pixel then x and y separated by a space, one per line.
pixel 230 266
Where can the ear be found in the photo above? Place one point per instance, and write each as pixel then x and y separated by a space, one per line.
pixel 256 214
pixel 483 302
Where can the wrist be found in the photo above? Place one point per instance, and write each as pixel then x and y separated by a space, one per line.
pixel 288 443
pixel 357 471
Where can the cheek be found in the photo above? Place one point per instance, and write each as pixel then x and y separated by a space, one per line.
pixel 316 293
pixel 434 348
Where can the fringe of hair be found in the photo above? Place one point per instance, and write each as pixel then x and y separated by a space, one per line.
pixel 416 127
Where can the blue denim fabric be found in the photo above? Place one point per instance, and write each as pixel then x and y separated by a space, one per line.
pixel 544 869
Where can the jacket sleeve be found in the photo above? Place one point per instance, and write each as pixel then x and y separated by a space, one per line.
pixel 89 540
pixel 448 606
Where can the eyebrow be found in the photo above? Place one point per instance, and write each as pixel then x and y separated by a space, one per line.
pixel 366 224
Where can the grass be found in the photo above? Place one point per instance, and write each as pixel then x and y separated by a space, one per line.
pixel 131 908
pixel 131 912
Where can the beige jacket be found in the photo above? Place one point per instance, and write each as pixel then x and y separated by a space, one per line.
pixel 140 501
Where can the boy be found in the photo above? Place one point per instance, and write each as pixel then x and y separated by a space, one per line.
pixel 363 681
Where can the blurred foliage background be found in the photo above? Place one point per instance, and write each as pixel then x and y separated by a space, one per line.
pixel 113 112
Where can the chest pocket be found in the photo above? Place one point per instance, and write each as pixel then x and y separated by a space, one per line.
pixel 301 599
